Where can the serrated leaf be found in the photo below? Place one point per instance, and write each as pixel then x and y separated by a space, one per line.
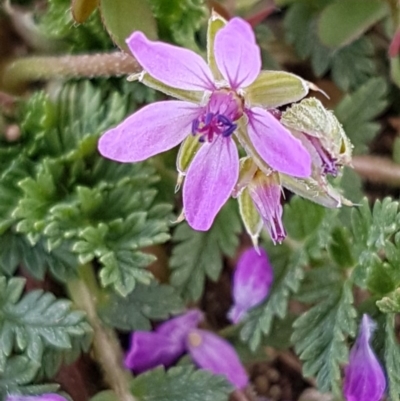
pixel 198 255
pixel 341 23
pixel 359 55
pixel 123 17
pixel 358 110
pixel 392 358
pixel 302 217
pixel 320 334
pixel 144 303
pixel 180 383
pixel 37 321
pixel 288 273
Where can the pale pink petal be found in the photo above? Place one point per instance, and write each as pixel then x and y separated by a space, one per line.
pixel 174 66
pixel 153 129
pixel 276 145
pixel 209 181
pixel 236 53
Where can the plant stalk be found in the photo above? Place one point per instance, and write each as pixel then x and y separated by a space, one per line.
pixel 16 74
pixel 84 292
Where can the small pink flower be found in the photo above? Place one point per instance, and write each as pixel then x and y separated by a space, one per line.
pixel 252 280
pixel 161 126
pixel 364 377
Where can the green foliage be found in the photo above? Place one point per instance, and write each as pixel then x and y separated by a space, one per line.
pixel 301 30
pixel 371 231
pixel 180 383
pixel 358 110
pixel 144 303
pixel 123 17
pixel 198 255
pixel 288 272
pixel 179 20
pixel 57 23
pixel 37 321
pixel 17 375
pixel 299 228
pixel 392 358
pixel 320 335
pixel 353 18
pixel 73 206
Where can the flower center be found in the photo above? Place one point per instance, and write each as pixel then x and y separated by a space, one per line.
pixel 223 108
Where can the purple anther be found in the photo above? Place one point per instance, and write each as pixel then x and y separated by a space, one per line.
pixel 195 126
pixel 208 119
pixel 230 130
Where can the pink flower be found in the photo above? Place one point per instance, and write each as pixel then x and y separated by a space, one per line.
pixel 220 92
pixel 364 377
pixel 251 282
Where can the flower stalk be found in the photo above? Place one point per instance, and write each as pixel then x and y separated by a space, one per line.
pixel 84 291
pixel 15 74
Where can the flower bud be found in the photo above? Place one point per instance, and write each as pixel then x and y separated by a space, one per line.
pixel 265 191
pixel 215 354
pixel 364 377
pixel 320 133
pixel 251 282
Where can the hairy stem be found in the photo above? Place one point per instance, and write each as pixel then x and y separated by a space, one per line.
pixel 15 74
pixel 84 292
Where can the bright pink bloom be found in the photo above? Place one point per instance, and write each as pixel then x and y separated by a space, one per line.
pixel 364 378
pixel 251 282
pixel 158 127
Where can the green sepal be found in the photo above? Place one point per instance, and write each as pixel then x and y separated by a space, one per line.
pixel 247 170
pixel 187 151
pixel 181 94
pixel 250 217
pixel 276 88
pixel 309 188
pixel 215 23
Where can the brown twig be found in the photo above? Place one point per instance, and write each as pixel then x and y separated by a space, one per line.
pixel 377 169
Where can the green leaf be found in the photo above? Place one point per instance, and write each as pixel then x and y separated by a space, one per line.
pixel 198 255
pixel 320 334
pixel 123 17
pixel 288 272
pixel 341 23
pixel 358 110
pixel 144 303
pixel 302 217
pixel 179 20
pixel 392 357
pixel 180 383
pixel 340 248
pixel 360 56
pixel 35 322
pixel 57 24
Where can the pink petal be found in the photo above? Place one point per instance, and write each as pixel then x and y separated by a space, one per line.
pixel 276 145
pixel 153 129
pixel 216 355
pixel 174 66
pixel 148 350
pixel 237 54
pixel 210 180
